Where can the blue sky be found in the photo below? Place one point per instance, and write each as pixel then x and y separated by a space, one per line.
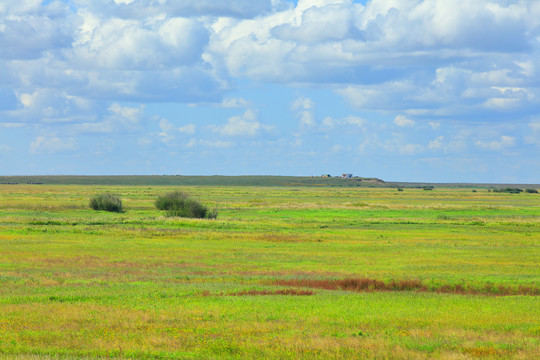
pixel 411 90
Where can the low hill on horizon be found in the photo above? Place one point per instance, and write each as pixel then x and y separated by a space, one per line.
pixel 221 180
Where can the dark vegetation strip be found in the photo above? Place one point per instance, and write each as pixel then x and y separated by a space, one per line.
pixel 371 285
pixel 292 292
pixel 287 292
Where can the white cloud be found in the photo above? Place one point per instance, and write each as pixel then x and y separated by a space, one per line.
pixel 535 125
pixel 455 144
pixel 52 144
pixel 436 144
pixel 215 144
pixel 187 129
pixel 403 121
pixel 117 118
pixel 236 9
pixel 330 122
pixel 467 51
pixel 504 143
pixel 185 51
pixel 305 109
pixel 126 115
pixel 4 149
pixel 234 103
pixel 411 149
pixel 127 44
pixel 12 125
pixel 435 125
pixel 244 125
pixel 166 128
pixel 191 143
pixel 29 29
pixel 533 136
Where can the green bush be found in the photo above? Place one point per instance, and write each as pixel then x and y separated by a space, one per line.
pixel 179 204
pixel 106 202
pixel 531 191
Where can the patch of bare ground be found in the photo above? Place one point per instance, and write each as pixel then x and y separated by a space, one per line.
pixel 371 285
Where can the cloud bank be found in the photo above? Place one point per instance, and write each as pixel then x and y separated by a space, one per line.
pixel 438 72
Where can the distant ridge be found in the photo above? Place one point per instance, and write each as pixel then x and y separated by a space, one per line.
pixel 247 180
pixel 180 180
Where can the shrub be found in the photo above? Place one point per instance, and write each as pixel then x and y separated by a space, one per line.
pixel 399 189
pixel 531 191
pixel 171 200
pixel 179 204
pixel 106 202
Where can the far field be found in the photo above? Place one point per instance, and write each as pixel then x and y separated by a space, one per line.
pixel 285 272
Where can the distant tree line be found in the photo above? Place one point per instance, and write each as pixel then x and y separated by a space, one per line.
pixel 510 190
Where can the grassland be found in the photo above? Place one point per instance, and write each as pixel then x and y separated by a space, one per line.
pixel 268 278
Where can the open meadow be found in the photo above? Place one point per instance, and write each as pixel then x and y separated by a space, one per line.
pixel 283 273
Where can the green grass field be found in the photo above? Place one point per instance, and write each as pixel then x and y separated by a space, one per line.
pixel 283 273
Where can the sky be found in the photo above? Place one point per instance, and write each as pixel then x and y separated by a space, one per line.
pixel 402 90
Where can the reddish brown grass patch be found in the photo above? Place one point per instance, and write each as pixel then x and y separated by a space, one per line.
pixel 369 285
pixel 290 292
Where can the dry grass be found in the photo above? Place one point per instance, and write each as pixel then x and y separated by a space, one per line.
pixel 289 292
pixel 370 285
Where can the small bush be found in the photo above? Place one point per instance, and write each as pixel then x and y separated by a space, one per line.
pixel 399 189
pixel 171 200
pixel 106 202
pixel 531 191
pixel 179 204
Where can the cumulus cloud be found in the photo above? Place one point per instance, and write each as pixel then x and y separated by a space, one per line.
pixel 411 149
pixel 187 129
pixel 496 145
pixel 305 109
pixel 477 54
pixel 244 125
pixel 4 149
pixel 469 51
pixel 436 144
pixel 146 8
pixel 403 121
pixel 533 135
pixel 52 144
pixel 330 122
pixel 234 103
pixel 29 29
pixel 82 67
pixel 97 52
pixel 217 144
pixel 435 125
pixel 134 45
pixel 118 118
pixel 168 130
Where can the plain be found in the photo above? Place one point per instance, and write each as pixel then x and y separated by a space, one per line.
pixel 268 278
